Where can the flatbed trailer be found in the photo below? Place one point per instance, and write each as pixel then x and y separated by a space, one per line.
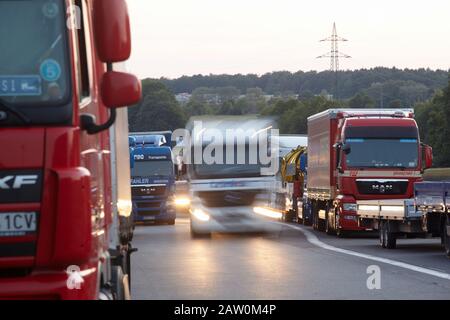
pixel 424 216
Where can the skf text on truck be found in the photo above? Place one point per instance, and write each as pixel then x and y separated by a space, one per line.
pixel 65 199
pixel 358 155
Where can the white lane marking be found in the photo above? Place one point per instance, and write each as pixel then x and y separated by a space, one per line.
pixel 312 238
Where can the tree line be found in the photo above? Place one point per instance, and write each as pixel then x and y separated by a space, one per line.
pixel 421 82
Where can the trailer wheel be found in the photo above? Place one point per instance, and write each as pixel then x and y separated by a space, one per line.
pixel 382 235
pixel 306 221
pixel 117 283
pixel 321 224
pixel 447 237
pixel 328 226
pixel 315 215
pixel 341 233
pixel 389 238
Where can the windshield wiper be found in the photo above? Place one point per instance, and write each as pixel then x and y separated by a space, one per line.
pixel 13 110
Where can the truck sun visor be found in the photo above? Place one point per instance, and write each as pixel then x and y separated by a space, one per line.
pixel 382 132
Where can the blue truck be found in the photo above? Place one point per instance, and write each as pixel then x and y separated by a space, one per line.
pixel 152 180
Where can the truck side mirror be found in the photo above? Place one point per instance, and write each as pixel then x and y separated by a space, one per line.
pixel 346 148
pixel 338 148
pixel 120 89
pixel 112 30
pixel 428 152
pixel 112 37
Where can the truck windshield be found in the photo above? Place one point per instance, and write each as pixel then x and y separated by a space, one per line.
pixel 152 168
pixel 229 170
pixel 33 57
pixel 218 171
pixel 382 153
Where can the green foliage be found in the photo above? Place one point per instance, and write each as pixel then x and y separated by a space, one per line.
pixel 398 93
pixel 433 118
pixel 158 109
pixel 410 85
pixel 361 100
pixel 293 114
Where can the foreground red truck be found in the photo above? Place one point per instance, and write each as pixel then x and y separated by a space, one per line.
pixel 65 198
pixel 361 154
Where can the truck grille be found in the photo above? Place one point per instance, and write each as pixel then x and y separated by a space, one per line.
pixel 149 213
pixel 382 187
pixel 217 199
pixel 148 191
pixel 141 205
pixel 231 217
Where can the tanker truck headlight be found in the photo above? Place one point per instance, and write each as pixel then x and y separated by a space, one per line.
pixel 182 201
pixel 200 215
pixel 350 207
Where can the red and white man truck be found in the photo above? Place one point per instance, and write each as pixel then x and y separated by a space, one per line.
pixel 360 155
pixel 65 198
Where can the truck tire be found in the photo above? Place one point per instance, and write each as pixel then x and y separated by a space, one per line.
pixel 382 235
pixel 117 286
pixel 391 240
pixel 447 237
pixel 315 215
pixel 199 235
pixel 307 221
pixel 329 229
pixel 389 237
pixel 321 224
pixel 299 220
pixel 338 230
pixel 341 234
pixel 105 294
pixel 128 265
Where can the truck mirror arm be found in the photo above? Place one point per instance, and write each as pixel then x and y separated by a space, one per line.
pixel 338 147
pixel 88 124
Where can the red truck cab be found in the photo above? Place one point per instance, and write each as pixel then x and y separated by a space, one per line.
pixel 356 155
pixel 63 222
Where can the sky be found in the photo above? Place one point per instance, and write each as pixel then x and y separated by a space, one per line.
pixel 172 38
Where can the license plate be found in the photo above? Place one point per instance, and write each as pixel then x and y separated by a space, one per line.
pixel 17 224
pixel 20 85
pixel 150 218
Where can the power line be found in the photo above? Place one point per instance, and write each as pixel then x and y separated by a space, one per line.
pixel 334 55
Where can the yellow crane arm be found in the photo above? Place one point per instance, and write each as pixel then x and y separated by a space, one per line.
pixel 290 166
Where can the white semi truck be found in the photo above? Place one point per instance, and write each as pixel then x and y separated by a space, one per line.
pixel 230 194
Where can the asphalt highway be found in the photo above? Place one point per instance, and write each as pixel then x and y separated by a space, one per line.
pixel 294 263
